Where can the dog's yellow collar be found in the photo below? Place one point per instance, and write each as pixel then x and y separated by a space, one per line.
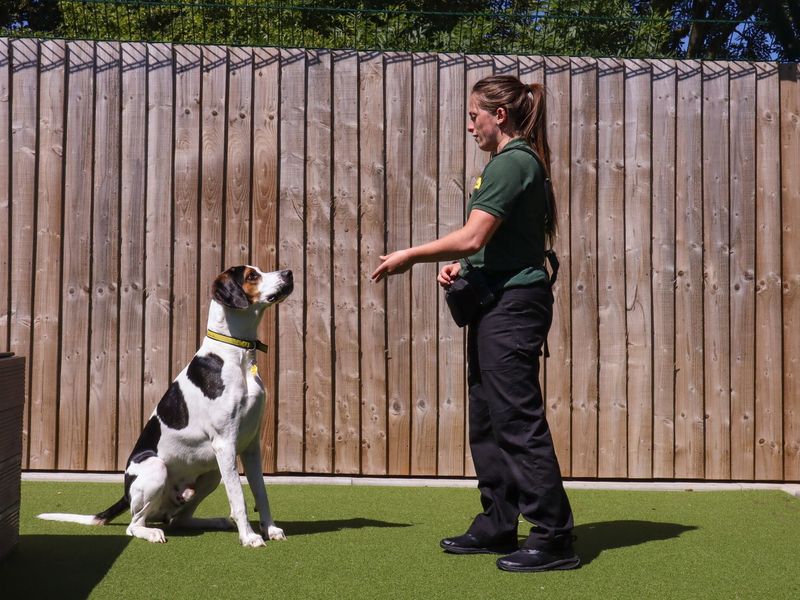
pixel 226 339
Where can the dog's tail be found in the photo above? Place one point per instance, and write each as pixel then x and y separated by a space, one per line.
pixel 100 518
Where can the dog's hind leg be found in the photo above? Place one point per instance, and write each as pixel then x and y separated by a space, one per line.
pixel 226 457
pixel 251 459
pixel 204 485
pixel 147 494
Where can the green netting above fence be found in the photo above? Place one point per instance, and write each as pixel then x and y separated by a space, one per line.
pixel 566 27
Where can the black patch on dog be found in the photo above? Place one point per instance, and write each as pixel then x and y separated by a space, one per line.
pixel 206 373
pixel 129 479
pixel 227 289
pixel 172 408
pixel 147 444
pixel 116 509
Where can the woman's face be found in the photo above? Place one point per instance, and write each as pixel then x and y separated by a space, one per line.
pixel 483 126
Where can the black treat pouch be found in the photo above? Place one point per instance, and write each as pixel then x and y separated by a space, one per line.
pixel 468 295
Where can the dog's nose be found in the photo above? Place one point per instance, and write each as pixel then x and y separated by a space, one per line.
pixel 287 276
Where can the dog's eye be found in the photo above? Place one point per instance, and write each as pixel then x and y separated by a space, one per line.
pixel 252 276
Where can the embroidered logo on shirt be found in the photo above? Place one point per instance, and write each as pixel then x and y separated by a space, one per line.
pixel 478 183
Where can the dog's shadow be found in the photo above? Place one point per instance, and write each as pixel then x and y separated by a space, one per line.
pixel 297 528
pixel 594 538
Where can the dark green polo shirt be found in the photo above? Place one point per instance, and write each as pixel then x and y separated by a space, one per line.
pixel 511 187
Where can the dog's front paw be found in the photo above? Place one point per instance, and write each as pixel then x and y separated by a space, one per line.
pixel 252 540
pixel 275 533
pixel 156 536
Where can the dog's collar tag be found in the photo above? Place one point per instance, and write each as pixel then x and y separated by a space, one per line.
pixel 247 344
pixel 254 369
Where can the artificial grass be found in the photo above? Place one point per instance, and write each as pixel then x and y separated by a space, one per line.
pixel 382 542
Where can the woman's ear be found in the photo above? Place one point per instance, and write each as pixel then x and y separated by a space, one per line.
pixel 228 292
pixel 501 115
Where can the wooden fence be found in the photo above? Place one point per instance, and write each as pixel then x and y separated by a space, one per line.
pixel 134 173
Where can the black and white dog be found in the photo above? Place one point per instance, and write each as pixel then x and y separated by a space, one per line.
pixel 210 414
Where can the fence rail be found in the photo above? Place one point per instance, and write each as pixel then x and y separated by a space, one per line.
pixel 134 173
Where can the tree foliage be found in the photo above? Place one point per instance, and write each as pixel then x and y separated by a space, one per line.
pixel 732 29
pixel 715 29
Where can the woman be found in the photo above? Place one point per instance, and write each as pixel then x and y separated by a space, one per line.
pixel 510 216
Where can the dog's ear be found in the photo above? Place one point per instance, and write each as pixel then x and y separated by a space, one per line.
pixel 227 289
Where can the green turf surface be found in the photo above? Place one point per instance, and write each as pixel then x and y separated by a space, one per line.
pixel 382 542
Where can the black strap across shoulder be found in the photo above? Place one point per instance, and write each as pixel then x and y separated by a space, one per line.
pixel 548 184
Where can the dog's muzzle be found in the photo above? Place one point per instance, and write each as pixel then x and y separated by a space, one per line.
pixel 286 287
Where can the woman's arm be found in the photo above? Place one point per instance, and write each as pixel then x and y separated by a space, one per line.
pixel 473 236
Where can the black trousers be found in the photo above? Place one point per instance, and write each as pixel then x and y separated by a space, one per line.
pixel 512 448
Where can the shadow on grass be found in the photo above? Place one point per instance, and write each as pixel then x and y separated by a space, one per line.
pixel 291 528
pixel 58 566
pixel 311 527
pixel 594 538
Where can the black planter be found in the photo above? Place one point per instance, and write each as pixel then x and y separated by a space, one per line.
pixel 12 401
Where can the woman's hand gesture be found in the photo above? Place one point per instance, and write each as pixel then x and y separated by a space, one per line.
pixel 448 273
pixel 393 264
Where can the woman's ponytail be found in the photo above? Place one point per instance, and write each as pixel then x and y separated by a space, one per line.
pixel 534 130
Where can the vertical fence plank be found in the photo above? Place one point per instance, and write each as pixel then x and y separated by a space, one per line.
pixel 612 434
pixel 5 215
pixel 716 269
pixel 398 227
pixel 236 187
pixel 319 378
pixel 768 333
pixel 423 277
pixel 477 67
pixel 790 203
pixel 158 224
pixel 663 278
pixel 424 291
pixel 638 295
pixel 102 431
pixel 236 227
pixel 583 227
pixel 24 82
pixel 185 323
pixel 372 300
pixel 75 265
pixel 558 392
pixel 212 167
pixel 132 248
pixel 451 217
pixel 742 267
pixel 291 231
pixel 689 421
pixel 266 98
pixel 346 275
pixel 49 199
pixel 532 70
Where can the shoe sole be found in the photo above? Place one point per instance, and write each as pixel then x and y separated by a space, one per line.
pixel 559 565
pixel 478 550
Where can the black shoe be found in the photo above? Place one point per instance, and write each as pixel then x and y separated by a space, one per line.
pixel 539 559
pixel 469 544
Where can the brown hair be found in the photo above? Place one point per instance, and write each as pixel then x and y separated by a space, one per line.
pixel 526 108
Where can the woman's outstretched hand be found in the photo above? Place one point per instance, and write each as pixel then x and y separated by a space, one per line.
pixel 448 274
pixel 393 264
